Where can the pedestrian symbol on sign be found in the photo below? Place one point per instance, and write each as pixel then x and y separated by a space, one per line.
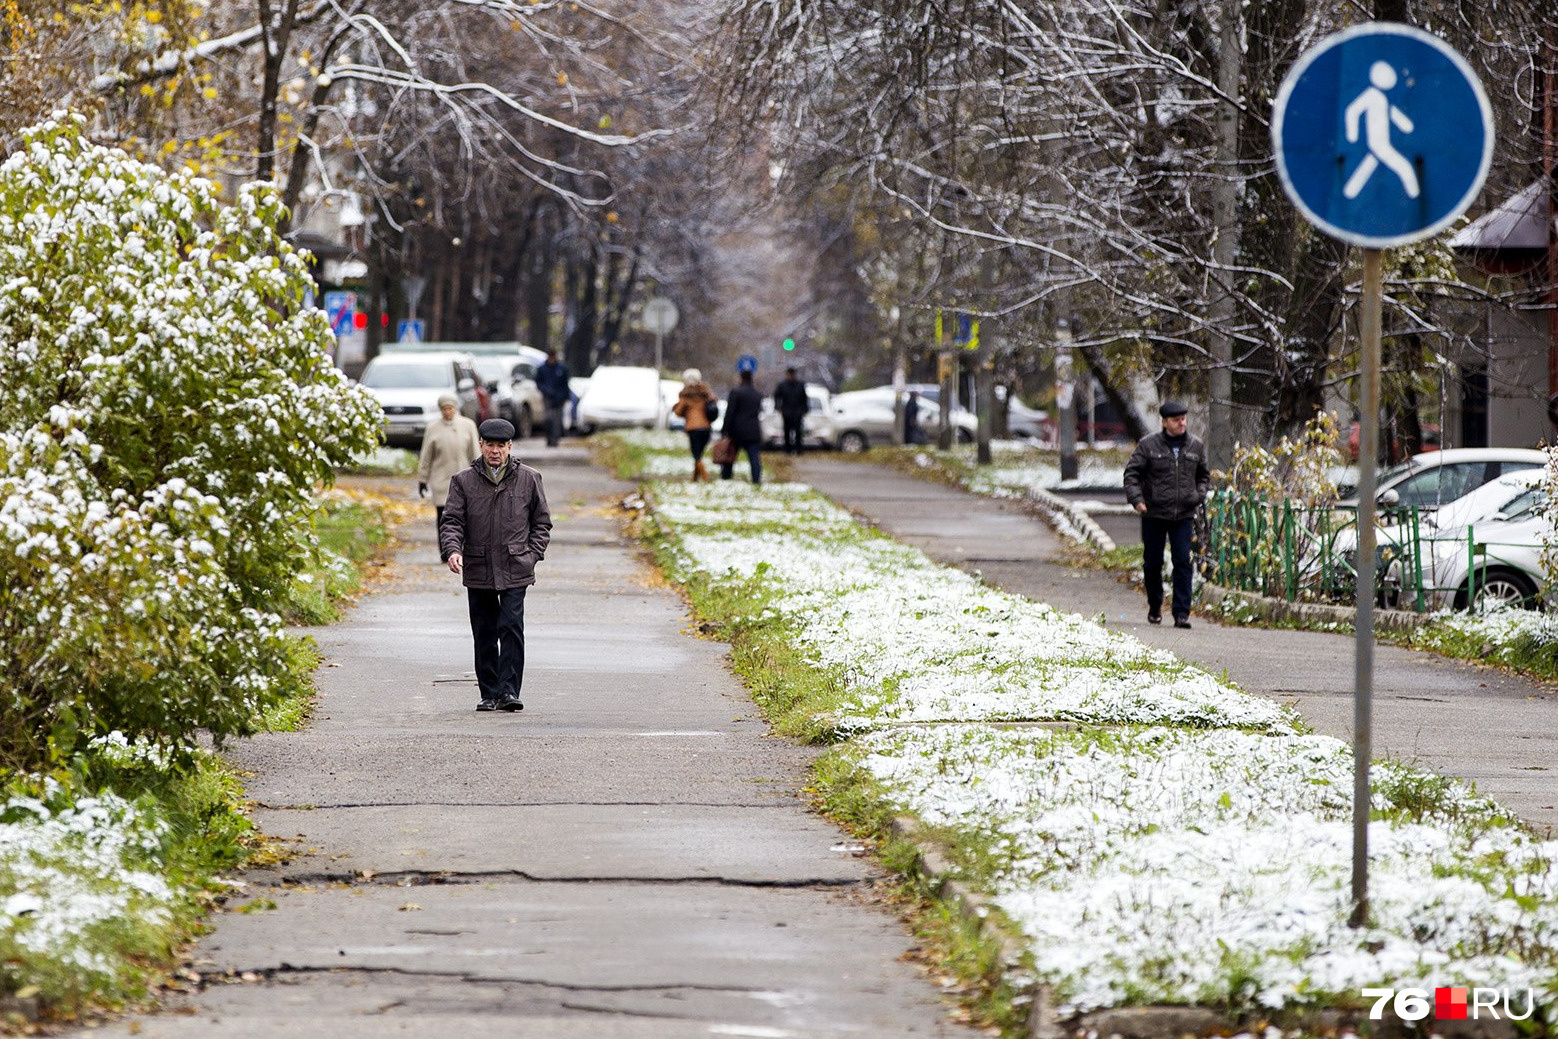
pixel 1378 115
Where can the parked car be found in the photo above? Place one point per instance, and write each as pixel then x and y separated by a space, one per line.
pixel 510 378
pixel 621 396
pixel 408 385
pixel 1434 478
pixel 819 427
pixel 1025 423
pixel 1497 559
pixel 865 417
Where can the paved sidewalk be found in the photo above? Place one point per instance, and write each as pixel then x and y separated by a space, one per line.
pixel 1498 730
pixel 627 857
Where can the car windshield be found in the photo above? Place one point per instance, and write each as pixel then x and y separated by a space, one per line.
pixel 497 369
pixel 427 375
pixel 1524 505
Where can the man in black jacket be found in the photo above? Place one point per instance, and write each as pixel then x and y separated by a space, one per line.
pixel 1166 480
pixel 496 528
pixel 791 403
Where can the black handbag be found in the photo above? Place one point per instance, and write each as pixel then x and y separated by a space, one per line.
pixel 711 409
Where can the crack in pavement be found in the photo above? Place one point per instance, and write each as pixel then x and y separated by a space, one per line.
pixel 452 878
pixel 287 969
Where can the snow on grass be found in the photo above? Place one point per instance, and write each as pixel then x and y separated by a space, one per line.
pixel 1196 851
pixel 919 642
pixel 1214 867
pixel 72 873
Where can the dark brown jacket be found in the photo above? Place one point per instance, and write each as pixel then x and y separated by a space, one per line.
pixel 501 530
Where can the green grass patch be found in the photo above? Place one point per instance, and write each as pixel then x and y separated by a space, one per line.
pixel 1526 652
pixel 347 533
pixel 112 963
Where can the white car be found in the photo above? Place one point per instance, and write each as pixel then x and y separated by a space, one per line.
pixel 408 385
pixel 819 426
pixel 621 396
pixel 1435 478
pixel 1497 559
pixel 865 417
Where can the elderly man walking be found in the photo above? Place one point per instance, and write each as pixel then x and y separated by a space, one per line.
pixel 496 528
pixel 448 446
pixel 1166 480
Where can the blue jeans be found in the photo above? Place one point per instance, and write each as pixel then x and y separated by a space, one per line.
pixel 498 628
pixel 1153 534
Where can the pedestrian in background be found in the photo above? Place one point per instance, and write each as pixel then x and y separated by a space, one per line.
pixel 912 433
pixel 496 528
pixel 1166 480
pixel 743 425
pixel 552 381
pixel 449 445
pixel 692 406
pixel 791 403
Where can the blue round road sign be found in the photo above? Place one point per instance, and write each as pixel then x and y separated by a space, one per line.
pixel 1383 135
pixel 746 363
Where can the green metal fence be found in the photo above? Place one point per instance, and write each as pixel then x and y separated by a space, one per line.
pixel 1308 554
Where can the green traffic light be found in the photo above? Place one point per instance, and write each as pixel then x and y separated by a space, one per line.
pixel 789 344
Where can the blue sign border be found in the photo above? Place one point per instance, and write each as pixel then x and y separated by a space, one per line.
pixel 1361 237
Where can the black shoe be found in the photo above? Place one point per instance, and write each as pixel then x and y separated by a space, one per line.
pixel 1181 622
pixel 1154 617
pixel 487 705
pixel 510 703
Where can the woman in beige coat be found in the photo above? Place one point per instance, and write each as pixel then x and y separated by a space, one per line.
pixel 449 445
pixel 689 406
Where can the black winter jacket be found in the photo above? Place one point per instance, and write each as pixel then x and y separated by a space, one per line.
pixel 501 530
pixel 790 398
pixel 743 415
pixel 1172 487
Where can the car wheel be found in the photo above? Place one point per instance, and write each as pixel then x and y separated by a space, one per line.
pixel 526 425
pixel 853 442
pixel 964 436
pixel 1509 587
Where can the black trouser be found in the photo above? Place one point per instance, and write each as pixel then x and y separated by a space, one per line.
pixel 793 427
pixel 1153 534
pixel 698 440
pixel 498 627
pixel 554 422
pixel 754 459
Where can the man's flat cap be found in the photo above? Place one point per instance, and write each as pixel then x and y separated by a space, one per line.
pixel 1168 409
pixel 497 429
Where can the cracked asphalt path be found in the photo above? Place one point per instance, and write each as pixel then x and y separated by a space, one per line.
pixel 627 857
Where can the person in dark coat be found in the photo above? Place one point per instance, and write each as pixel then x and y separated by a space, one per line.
pixel 791 403
pixel 912 433
pixel 552 380
pixel 496 528
pixel 743 424
pixel 1166 480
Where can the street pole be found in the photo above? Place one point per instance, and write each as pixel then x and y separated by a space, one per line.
pixel 1363 698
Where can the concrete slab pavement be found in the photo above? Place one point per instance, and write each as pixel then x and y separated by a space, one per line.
pixel 627 857
pixel 1459 719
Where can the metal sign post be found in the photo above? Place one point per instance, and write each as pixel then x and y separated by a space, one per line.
pixel 1383 136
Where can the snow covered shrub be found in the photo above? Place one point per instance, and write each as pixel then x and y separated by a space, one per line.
pixel 168 409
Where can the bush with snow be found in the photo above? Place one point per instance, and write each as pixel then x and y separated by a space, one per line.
pixel 169 409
